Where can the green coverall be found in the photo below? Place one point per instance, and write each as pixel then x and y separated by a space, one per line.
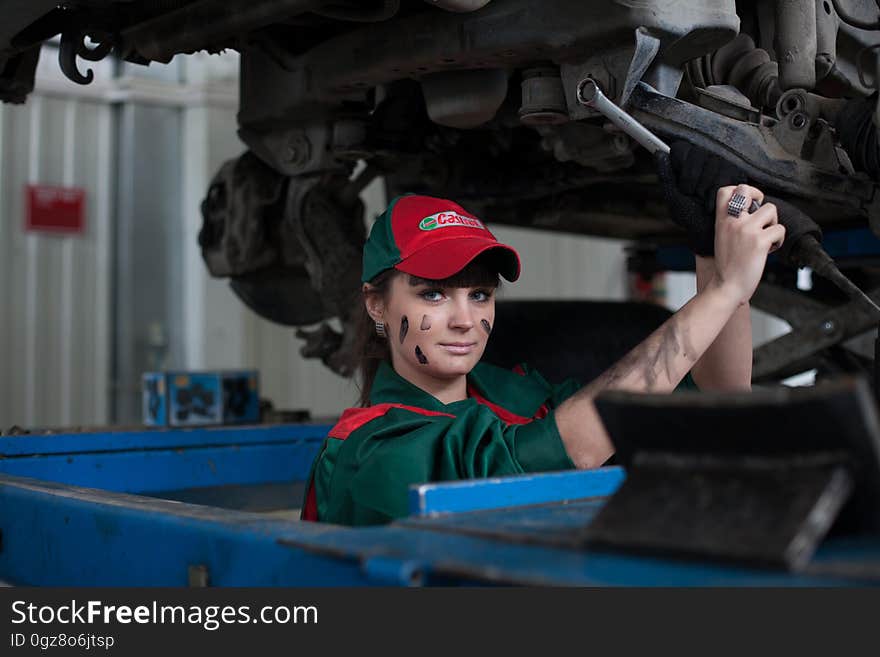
pixel 505 427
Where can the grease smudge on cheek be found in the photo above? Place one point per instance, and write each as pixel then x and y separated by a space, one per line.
pixel 422 358
pixel 487 327
pixel 426 323
pixel 404 328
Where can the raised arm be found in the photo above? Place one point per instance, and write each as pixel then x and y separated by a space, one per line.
pixel 727 363
pixel 660 362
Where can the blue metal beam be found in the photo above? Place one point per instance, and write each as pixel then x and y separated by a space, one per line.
pixel 171 469
pixel 559 525
pixel 501 492
pixel 438 549
pixel 163 460
pixel 121 441
pixel 67 536
pixel 62 535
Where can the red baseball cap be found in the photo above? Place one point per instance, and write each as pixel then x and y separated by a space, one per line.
pixel 431 238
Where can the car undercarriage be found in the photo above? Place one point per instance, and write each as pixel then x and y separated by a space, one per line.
pixel 477 100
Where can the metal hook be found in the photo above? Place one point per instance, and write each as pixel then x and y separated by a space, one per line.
pixel 71 42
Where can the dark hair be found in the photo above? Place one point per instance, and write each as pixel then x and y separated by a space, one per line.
pixel 370 350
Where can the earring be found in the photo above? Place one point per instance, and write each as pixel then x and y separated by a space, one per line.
pixel 380 330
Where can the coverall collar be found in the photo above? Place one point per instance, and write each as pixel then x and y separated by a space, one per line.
pixel 390 387
pixel 522 395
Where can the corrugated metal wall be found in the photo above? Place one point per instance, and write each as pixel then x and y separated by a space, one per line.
pixel 175 126
pixel 83 316
pixel 54 290
pixel 149 310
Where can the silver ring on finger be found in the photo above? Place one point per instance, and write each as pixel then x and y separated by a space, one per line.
pixel 736 205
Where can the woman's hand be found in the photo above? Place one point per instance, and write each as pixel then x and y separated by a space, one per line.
pixel 743 243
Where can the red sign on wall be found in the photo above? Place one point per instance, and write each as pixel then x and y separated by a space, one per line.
pixel 55 209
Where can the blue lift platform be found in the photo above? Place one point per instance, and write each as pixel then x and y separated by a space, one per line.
pixel 216 507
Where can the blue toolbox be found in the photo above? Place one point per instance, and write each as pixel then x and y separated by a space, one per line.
pixel 185 399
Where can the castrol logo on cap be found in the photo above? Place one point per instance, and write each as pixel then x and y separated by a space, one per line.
pixel 448 219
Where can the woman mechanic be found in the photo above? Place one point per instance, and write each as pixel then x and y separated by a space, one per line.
pixel 430 411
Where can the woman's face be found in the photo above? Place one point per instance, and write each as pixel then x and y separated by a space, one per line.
pixel 437 332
